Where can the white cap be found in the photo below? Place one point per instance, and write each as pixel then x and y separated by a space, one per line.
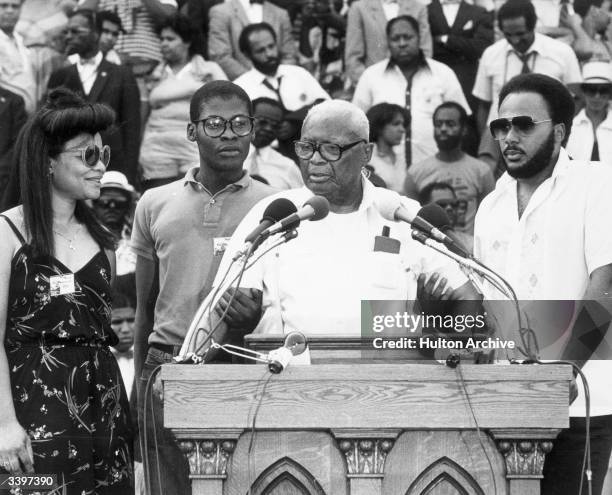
pixel 116 180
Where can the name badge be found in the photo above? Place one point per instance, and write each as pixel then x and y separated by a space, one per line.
pixel 219 245
pixel 61 284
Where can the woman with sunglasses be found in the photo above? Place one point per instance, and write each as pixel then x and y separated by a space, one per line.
pixel 64 411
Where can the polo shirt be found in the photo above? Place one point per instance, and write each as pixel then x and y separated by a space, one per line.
pixel 550 252
pixel 315 283
pixel 186 227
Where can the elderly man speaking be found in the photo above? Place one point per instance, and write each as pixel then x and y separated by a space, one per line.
pixel 315 283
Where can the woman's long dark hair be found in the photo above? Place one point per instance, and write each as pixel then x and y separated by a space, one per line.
pixel 63 116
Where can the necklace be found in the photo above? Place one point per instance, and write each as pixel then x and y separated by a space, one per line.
pixel 70 241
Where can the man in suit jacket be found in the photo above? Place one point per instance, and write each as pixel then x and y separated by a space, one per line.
pixel 227 20
pixel 461 32
pixel 103 82
pixel 366 39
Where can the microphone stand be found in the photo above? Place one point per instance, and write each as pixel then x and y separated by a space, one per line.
pixel 474 266
pixel 211 300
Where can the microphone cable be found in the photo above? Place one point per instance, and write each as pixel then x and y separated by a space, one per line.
pixel 463 387
pixel 259 402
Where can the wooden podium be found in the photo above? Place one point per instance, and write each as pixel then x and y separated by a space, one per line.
pixel 366 429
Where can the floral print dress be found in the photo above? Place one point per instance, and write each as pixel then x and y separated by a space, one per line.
pixel 66 384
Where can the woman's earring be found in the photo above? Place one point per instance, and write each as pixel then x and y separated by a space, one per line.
pixel 366 172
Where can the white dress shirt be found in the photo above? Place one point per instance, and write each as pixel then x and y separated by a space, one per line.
pixel 580 143
pixel 298 87
pixel 88 70
pixel 390 8
pixel 500 63
pixel 279 171
pixel 432 84
pixel 253 11
pixel 316 282
pixel 550 252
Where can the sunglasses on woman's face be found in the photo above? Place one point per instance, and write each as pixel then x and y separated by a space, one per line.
pixel 93 154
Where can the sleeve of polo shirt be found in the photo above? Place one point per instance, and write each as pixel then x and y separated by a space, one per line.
pixel 483 86
pixel 141 240
pixel 597 234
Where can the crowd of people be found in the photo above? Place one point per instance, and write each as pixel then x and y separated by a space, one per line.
pixel 129 160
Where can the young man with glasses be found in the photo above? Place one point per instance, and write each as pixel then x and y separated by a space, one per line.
pixel 315 283
pixel 179 236
pixel 545 229
pixel 591 137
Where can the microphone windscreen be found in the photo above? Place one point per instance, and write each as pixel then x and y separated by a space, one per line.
pixel 436 216
pixel 279 209
pixel 320 205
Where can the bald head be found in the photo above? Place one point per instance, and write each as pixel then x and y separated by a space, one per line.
pixel 340 114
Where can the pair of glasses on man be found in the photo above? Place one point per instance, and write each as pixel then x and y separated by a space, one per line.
pixel 522 125
pixel 215 126
pixel 92 154
pixel 593 89
pixel 114 203
pixel 328 151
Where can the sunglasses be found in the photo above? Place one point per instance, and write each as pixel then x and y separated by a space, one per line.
pixel 92 154
pixel 522 125
pixel 592 89
pixel 113 203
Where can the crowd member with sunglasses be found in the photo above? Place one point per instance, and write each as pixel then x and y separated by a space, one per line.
pixel 314 284
pixel 443 194
pixel 591 137
pixel 179 236
pixel 64 409
pixel 545 228
pixel 471 179
pixel 115 208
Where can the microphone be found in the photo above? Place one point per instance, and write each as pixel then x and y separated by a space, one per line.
pixel 435 214
pixel 295 344
pixel 275 211
pixel 316 208
pixel 391 208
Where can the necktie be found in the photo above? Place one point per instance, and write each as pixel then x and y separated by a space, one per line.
pixel 595 152
pixel 525 59
pixel 408 136
pixel 276 90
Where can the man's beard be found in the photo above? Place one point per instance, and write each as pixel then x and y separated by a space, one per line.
pixel 448 144
pixel 538 162
pixel 269 68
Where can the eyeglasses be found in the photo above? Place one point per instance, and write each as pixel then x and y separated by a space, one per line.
pixel 92 154
pixel 328 151
pixel 215 126
pixel 592 89
pixel 113 203
pixel 522 124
